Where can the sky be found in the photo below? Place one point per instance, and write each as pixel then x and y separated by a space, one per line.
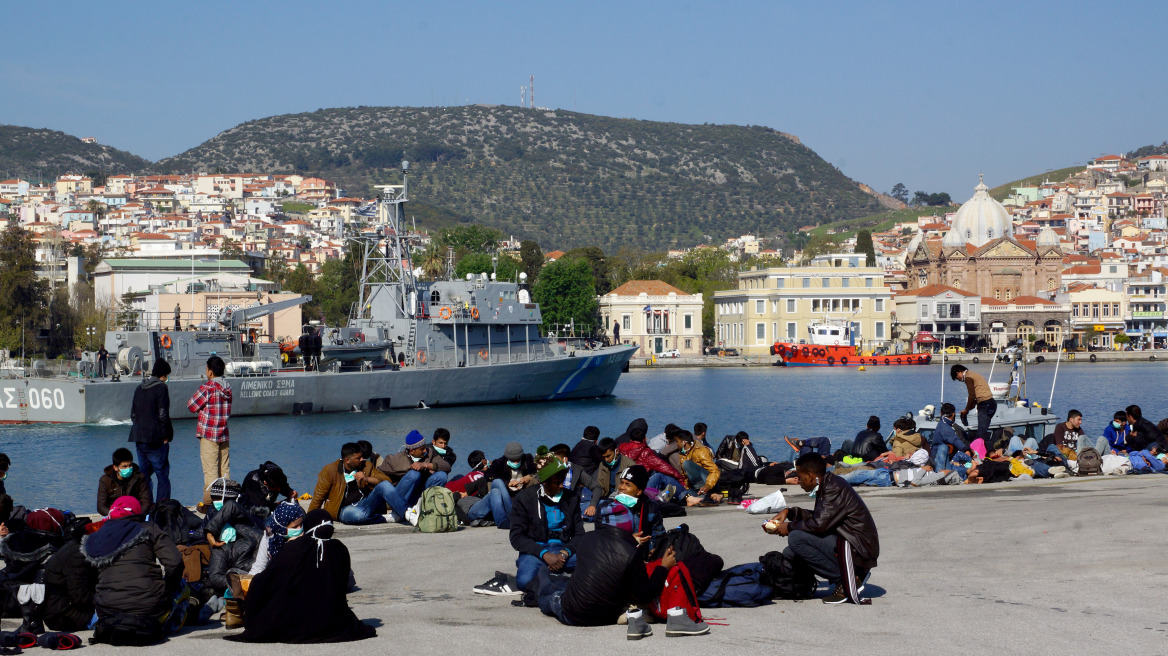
pixel 926 93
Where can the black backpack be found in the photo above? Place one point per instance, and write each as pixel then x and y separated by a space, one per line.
pixel 684 543
pixel 123 630
pixel 787 580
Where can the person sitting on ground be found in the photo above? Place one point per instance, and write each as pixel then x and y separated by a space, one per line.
pixel 353 491
pixel 263 487
pixel 946 444
pixel 5 463
pixel 440 442
pixel 820 445
pixel 701 471
pixel 1141 432
pixel 69 583
pixel 699 433
pixel 232 534
pixel 640 453
pixel 1116 433
pixel 980 397
pixel 905 438
pixel 869 443
pixel 837 539
pixel 472 486
pixel 636 432
pixel 368 454
pixel 586 453
pixel 612 465
pixel 736 453
pixel 301 597
pixel 139 568
pixel 585 486
pixel 633 507
pixel 665 446
pixel 544 518
pixel 123 478
pixel 514 471
pixel 25 552
pixel 285 523
pixel 416 467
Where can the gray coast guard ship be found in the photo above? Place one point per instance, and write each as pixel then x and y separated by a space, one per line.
pixel 409 343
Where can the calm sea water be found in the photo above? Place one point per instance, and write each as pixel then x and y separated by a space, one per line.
pixel 60 465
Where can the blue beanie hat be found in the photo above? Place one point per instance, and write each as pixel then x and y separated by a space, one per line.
pixel 415 440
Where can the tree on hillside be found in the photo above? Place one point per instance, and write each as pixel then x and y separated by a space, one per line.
pixel 25 298
pixel 899 192
pixel 864 245
pixel 476 263
pixel 924 199
pixel 230 250
pixel 276 269
pixel 819 244
pixel 565 293
pixel 531 255
pixel 469 239
pixel 599 263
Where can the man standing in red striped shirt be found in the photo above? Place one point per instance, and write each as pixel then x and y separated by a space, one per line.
pixel 212 402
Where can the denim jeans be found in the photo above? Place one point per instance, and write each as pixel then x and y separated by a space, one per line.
pixel 957 464
pixel 527 566
pixel 1016 444
pixel 370 509
pixel 820 445
pixel 156 460
pixel 659 482
pixel 408 487
pixel 496 505
pixel 872 477
pixel 695 474
pixel 551 594
pixel 985 412
pixel 816 552
pixel 1100 444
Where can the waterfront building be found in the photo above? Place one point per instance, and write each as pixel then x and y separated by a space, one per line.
pixel 1097 314
pixel 654 315
pixel 779 303
pixel 935 316
pixel 1146 322
pixel 1048 321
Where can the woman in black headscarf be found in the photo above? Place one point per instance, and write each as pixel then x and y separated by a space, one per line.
pixel 301 596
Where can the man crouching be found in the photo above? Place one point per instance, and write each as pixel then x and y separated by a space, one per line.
pixel 837 540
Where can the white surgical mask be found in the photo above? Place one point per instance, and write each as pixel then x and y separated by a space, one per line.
pixel 440 451
pixel 814 490
pixel 513 465
pixel 218 505
pixel 350 477
pixel 295 532
pixel 626 500
pixel 555 499
pixel 415 459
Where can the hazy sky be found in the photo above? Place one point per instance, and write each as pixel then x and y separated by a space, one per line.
pixel 925 93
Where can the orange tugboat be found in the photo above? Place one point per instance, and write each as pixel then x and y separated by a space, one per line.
pixel 833 344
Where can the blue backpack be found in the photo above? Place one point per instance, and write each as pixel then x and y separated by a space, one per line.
pixel 741 586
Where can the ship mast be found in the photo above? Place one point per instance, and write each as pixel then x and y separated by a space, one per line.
pixel 386 266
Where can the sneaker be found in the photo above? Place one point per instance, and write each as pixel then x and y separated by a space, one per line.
pixel 861 581
pixel 500 586
pixel 482 522
pixel 390 518
pixel 668 493
pixel 794 444
pixel 681 625
pixel 639 628
pixel 837 597
pixel 528 600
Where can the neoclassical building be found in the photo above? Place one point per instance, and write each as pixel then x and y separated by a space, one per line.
pixel 980 254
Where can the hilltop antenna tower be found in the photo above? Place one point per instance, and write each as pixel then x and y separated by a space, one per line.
pixel 532 87
pixel 522 95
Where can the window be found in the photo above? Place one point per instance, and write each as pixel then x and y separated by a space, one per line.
pixel 1107 309
pixel 760 307
pixel 1114 269
pixel 879 305
pixel 688 322
pixel 775 329
pixel 806 282
pixel 867 282
pixel 1115 309
pixel 688 344
pixel 1074 309
pixel 955 310
pixel 924 310
pixel 760 332
pixel 826 282
pixel 626 322
pixel 791 306
pixel 815 304
pixel 1095 310
pixel 790 330
pixel 855 305
pixel 879 330
pixel 971 310
pixel 942 310
pixel 846 282
pixel 780 282
pixel 835 305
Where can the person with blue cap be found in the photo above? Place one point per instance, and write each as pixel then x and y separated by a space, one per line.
pixel 416 467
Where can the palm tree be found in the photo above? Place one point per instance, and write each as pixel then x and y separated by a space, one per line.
pixel 432 261
pixel 96 208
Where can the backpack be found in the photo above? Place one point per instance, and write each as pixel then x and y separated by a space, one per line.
pixel 436 511
pixel 1090 464
pixel 123 630
pixel 677 593
pixel 786 579
pixel 734 484
pixel 742 586
pixel 684 543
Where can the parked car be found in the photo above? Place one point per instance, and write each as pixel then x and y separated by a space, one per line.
pixel 728 352
pixel 954 350
pixel 671 353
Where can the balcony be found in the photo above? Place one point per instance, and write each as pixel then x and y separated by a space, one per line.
pixel 659 331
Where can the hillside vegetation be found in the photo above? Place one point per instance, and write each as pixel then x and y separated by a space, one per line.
pixel 1000 192
pixel 564 178
pixel 37 154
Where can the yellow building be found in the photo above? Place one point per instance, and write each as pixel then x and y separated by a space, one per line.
pixel 780 303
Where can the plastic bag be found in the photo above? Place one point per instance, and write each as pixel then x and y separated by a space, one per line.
pixel 770 504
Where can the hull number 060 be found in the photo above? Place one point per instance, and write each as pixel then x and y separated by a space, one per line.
pixel 38 398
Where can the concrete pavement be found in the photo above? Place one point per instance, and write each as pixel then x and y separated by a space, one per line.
pixel 1048 567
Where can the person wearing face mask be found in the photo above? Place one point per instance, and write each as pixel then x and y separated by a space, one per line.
pixel 1116 433
pixel 263 487
pixel 285 523
pixel 232 535
pixel 416 467
pixel 612 464
pixel 701 471
pixel 837 539
pixel 587 488
pixel 441 444
pixel 121 479
pixel 353 491
pixel 544 519
pixel 630 505
pixel 507 475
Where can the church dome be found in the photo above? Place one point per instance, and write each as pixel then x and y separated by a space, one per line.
pixel 1047 237
pixel 979 220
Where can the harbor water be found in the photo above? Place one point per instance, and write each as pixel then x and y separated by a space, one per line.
pixel 59 465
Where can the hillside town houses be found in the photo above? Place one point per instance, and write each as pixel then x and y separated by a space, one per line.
pixel 1080 263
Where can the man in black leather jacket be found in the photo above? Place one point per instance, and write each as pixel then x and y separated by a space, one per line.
pixel 838 539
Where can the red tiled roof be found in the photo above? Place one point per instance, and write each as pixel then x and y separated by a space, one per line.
pixel 936 290
pixel 1032 300
pixel 650 287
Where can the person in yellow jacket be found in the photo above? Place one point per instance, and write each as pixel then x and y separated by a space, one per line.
pixel 700 469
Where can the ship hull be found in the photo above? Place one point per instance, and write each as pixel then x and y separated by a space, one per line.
pixel 810 355
pixel 589 374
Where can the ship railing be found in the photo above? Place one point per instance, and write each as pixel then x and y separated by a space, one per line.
pixel 148 320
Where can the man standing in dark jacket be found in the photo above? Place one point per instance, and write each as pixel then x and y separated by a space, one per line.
pixel 152 431
pixel 123 479
pixel 544 519
pixel 838 539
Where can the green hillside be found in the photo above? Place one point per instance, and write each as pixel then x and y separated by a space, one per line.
pixel 564 178
pixel 1002 191
pixel 37 154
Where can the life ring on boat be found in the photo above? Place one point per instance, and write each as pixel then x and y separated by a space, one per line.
pixel 976 359
pixel 885 361
pixel 831 360
pixel 806 352
pixel 166 343
pixel 474 313
pixel 921 359
pixel 284 358
pixel 822 352
pixel 444 313
pixel 421 357
pixel 844 361
pixel 483 354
